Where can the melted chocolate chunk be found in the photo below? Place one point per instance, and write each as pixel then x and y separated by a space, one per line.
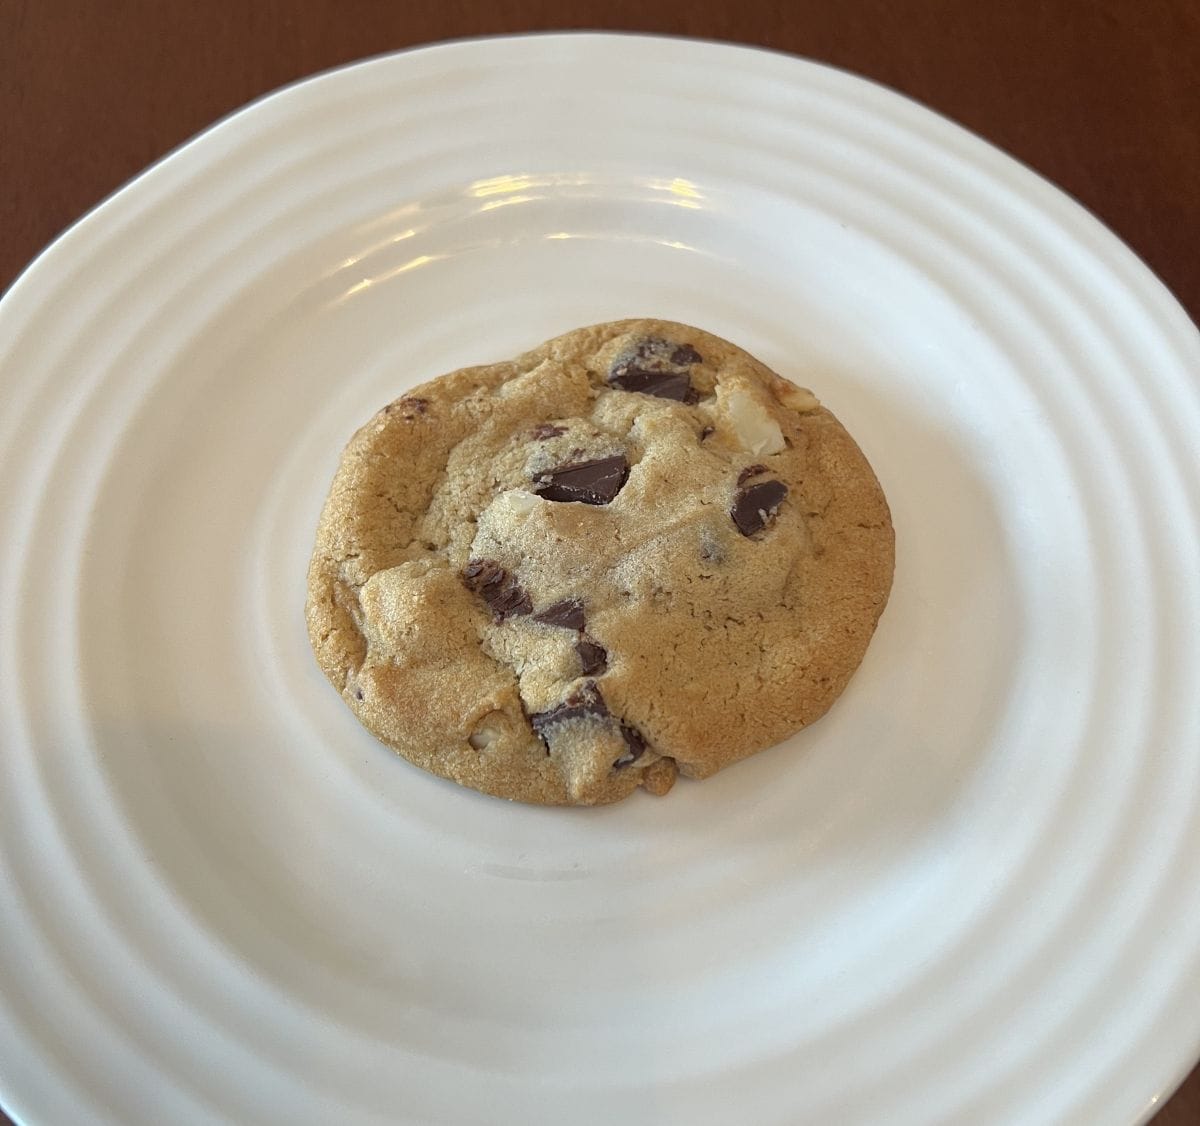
pixel 497 588
pixel 635 743
pixel 587 703
pixel 593 657
pixel 584 703
pixel 755 507
pixel 656 351
pixel 591 482
pixel 568 613
pixel 654 367
pixel 751 471
pixel 661 384
pixel 548 430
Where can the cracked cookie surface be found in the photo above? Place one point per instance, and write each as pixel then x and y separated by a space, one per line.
pixel 629 553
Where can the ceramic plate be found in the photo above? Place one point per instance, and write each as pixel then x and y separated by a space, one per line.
pixel 968 895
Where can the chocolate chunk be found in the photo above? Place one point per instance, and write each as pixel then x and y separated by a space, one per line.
pixel 661 384
pixel 593 657
pixel 751 471
pixel 755 507
pixel 655 352
pixel 591 482
pixel 568 613
pixel 635 743
pixel 497 588
pixel 584 703
pixel 548 430
pixel 587 703
pixel 686 354
pixel 654 368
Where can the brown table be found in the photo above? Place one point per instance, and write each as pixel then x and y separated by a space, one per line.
pixel 1100 96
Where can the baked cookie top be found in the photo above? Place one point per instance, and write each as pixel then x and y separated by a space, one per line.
pixel 632 551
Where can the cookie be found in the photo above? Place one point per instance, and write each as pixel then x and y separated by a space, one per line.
pixel 630 553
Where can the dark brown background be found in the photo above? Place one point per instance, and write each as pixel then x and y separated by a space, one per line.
pixel 1100 96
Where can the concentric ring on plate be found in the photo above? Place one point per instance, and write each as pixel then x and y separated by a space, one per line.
pixel 844 919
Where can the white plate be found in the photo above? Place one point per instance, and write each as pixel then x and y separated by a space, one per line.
pixel 967 896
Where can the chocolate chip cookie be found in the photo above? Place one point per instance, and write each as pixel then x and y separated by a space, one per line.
pixel 631 552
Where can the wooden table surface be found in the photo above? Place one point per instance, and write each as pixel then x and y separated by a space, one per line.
pixel 1102 97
